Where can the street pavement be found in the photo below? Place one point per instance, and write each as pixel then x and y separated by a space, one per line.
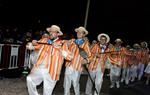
pixel 11 84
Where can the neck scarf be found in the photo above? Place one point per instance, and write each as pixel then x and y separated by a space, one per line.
pixel 79 41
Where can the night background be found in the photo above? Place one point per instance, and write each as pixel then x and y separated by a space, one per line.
pixel 125 19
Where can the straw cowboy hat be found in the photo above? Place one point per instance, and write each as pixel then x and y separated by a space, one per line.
pixel 103 34
pixel 118 40
pixel 128 46
pixel 55 28
pixel 144 43
pixel 136 45
pixel 81 29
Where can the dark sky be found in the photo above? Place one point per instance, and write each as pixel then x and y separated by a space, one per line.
pixel 126 19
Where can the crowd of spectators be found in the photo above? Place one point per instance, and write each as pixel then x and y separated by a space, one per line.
pixel 20 35
pixel 17 35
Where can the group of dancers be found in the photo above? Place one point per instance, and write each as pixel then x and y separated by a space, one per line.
pixel 51 52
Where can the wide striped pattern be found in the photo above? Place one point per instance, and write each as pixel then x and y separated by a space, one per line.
pixel 130 59
pixel 144 56
pixel 117 55
pixel 95 50
pixel 77 59
pixel 52 56
pixel 138 56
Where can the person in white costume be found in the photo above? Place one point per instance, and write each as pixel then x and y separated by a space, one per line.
pixel 97 65
pixel 49 62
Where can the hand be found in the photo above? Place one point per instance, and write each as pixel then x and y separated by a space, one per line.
pixel 29 46
pixel 34 42
pixel 57 45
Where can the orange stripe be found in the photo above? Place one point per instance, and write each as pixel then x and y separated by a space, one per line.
pixel 75 63
pixel 51 66
pixel 50 59
pixel 96 49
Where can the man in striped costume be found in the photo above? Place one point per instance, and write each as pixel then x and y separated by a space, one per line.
pixel 34 53
pixel 74 67
pixel 93 43
pixel 126 65
pixel 97 65
pixel 49 62
pixel 116 58
pixel 143 59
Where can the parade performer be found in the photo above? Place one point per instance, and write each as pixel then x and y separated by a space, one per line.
pixel 126 65
pixel 74 67
pixel 116 58
pixel 97 65
pixel 144 59
pixel 49 62
pixel 147 73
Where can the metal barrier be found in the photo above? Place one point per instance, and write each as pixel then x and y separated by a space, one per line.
pixel 1 45
pixel 12 56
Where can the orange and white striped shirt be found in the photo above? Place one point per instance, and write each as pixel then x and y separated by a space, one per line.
pixel 137 54
pixel 77 59
pixel 52 56
pixel 117 55
pixel 96 50
pixel 144 55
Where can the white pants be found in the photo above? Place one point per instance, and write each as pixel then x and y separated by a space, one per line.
pixel 147 69
pixel 115 73
pixel 97 77
pixel 140 70
pixel 125 75
pixel 71 77
pixel 33 57
pixel 38 76
pixel 133 72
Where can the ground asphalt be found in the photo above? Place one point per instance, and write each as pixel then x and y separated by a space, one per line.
pixel 13 82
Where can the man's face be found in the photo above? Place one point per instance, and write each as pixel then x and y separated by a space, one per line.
pixel 80 35
pixel 118 44
pixel 94 42
pixel 45 36
pixel 103 40
pixel 53 34
pixel 143 45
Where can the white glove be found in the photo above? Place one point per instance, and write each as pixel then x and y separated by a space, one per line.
pixel 64 53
